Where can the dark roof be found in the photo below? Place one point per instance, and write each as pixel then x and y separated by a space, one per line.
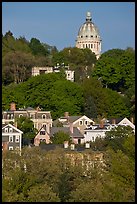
pixel 74 118
pixel 76 133
pixel 30 108
pixel 117 120
pixel 71 119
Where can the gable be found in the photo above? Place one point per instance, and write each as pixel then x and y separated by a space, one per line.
pixel 12 128
pixel 84 118
pixel 125 121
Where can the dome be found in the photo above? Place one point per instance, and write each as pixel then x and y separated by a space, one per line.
pixel 88 29
pixel 88 36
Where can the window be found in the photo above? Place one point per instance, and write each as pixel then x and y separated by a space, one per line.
pixel 11 138
pixel 81 36
pixel 86 36
pixel 10 148
pixel 91 36
pixel 86 122
pixel 44 125
pixel 32 116
pixel 83 46
pixel 10 130
pixel 6 129
pixel 92 138
pixel 91 45
pixel 17 138
pixel 20 115
pixel 44 116
pixel 42 132
pixel 81 122
pixel 86 46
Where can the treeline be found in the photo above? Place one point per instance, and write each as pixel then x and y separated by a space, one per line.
pixel 102 88
pixel 72 176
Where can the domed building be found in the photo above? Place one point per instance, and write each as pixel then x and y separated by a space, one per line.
pixel 89 37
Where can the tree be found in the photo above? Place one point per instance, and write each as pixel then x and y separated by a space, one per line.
pixel 37 48
pixel 80 60
pixel 18 65
pixel 116 137
pixel 116 67
pixel 50 92
pixel 27 127
pixel 42 193
pixel 60 137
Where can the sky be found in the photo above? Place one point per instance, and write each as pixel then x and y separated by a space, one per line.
pixel 57 23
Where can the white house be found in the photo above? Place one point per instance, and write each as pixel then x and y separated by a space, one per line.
pixel 11 137
pixel 127 122
pixel 99 130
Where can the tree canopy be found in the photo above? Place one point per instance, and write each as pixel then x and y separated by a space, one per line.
pixel 116 69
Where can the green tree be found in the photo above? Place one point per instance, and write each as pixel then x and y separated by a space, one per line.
pixel 116 137
pixel 49 92
pixel 60 137
pixel 80 60
pixel 116 68
pixel 27 127
pixel 37 48
pixel 42 193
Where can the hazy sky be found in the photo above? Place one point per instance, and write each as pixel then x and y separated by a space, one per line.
pixel 57 23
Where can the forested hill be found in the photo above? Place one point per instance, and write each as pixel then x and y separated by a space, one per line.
pixel 102 88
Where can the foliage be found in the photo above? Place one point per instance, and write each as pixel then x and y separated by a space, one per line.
pixel 116 68
pixel 62 176
pixel 37 48
pixel 20 55
pixel 27 127
pixel 80 60
pixel 50 92
pixel 60 137
pixel 102 102
pixel 116 138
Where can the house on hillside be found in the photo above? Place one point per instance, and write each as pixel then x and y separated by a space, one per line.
pixel 11 137
pixel 45 136
pixel 46 70
pixel 39 117
pixel 81 122
pixel 99 130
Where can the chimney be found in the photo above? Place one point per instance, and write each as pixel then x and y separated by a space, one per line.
pixel 113 121
pixel 65 144
pixel 87 145
pixel 101 124
pixel 71 128
pixel 72 146
pixel 66 114
pixel 12 106
pixel 132 120
pixel 38 108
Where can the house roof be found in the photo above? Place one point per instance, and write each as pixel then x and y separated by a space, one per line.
pixel 76 133
pixel 117 120
pixel 12 126
pixel 69 119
